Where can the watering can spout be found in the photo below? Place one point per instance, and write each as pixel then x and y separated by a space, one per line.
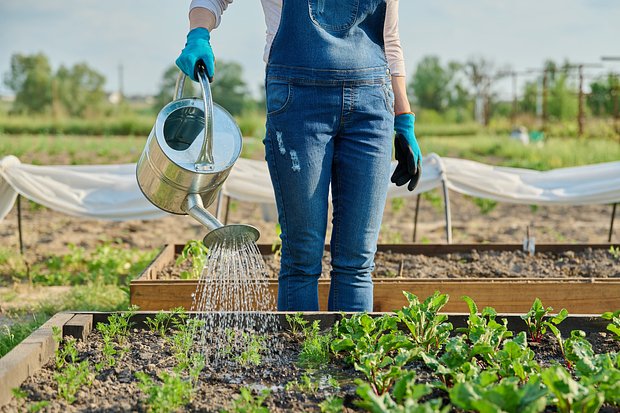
pixel 218 233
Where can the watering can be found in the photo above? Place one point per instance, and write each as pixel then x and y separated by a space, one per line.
pixel 187 158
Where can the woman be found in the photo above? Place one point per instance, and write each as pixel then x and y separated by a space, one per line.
pixel 334 81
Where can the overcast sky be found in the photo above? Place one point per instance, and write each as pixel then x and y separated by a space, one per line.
pixel 147 36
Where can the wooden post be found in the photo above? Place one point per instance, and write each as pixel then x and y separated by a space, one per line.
pixel 611 225
pixel 415 217
pixel 19 224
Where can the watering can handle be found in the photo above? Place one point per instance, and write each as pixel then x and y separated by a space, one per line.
pixel 205 159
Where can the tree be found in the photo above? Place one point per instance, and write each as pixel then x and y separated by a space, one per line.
pixel 479 71
pixel 229 88
pixel 79 90
pixel 30 77
pixel 431 84
pixel 603 98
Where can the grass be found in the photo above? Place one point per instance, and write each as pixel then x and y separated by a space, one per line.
pixel 90 297
pixel 493 149
pixel 99 281
pixel 499 150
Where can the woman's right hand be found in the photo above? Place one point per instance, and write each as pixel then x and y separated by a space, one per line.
pixel 197 49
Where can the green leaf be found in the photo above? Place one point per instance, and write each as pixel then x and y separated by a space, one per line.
pixel 473 308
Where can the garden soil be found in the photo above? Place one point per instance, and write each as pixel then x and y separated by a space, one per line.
pixel 46 232
pixel 115 389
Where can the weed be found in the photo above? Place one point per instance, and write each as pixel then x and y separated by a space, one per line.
pixel 196 252
pixel 485 205
pixel 397 204
pixel 615 252
pixel 245 402
pixel 434 199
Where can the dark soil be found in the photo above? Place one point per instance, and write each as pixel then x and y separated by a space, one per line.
pixel 116 389
pixel 590 263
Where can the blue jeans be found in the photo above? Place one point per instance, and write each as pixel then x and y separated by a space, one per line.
pixel 322 132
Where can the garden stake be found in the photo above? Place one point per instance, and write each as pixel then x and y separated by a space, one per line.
pixel 19 224
pixel 611 225
pixel 415 217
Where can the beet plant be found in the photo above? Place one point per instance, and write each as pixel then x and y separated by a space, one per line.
pixel 536 322
pixel 614 317
pixel 568 394
pixel 428 329
pixel 375 347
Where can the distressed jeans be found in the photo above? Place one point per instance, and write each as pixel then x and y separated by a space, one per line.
pixel 324 134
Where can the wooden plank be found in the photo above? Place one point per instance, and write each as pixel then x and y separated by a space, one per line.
pixel 165 256
pixel 505 295
pixel 508 297
pixel 586 322
pixel 79 326
pixel 28 356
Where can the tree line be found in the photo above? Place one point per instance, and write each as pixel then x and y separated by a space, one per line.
pixel 453 92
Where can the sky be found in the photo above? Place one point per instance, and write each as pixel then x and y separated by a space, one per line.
pixel 145 37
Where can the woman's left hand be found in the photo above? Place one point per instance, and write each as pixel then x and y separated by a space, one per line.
pixel 408 153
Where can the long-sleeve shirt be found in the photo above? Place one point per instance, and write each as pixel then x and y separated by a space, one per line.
pixel 273 10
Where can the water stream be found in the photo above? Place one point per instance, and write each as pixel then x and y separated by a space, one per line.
pixel 233 301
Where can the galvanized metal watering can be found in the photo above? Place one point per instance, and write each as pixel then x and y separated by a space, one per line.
pixel 187 158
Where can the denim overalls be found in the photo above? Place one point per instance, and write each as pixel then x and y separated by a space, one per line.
pixel 330 120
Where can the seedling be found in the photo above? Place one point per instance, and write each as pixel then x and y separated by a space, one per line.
pixel 535 320
pixel 305 384
pixel 315 347
pixel 171 395
pixel 162 320
pixel 614 326
pixel 254 345
pixel 245 402
pixel 196 252
pixel 332 405
pixel 70 375
pixel 296 322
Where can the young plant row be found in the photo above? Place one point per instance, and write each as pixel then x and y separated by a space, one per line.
pixel 481 367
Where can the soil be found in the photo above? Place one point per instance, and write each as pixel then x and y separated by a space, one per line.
pixel 590 263
pixel 116 390
pixel 46 232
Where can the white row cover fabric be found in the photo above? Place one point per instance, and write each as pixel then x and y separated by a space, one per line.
pixel 111 192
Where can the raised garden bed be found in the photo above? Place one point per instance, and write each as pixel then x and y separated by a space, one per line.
pixel 584 279
pixel 291 385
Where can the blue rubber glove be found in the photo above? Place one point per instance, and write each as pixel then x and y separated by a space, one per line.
pixel 408 153
pixel 197 49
